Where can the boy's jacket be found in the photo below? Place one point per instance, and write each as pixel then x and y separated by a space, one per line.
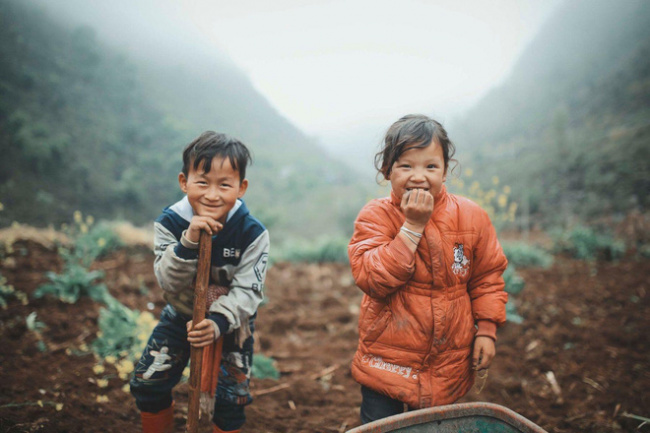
pixel 418 314
pixel 239 258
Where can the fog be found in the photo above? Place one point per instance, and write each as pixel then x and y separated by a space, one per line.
pixel 341 71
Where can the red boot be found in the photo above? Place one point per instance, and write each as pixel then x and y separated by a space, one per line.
pixel 218 430
pixel 159 422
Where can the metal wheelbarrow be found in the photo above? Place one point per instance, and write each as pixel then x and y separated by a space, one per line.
pixel 456 418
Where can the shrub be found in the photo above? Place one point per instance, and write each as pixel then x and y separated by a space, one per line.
pixel 322 250
pixel 585 243
pixel 524 255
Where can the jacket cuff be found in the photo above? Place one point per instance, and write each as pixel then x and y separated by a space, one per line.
pixel 221 321
pixel 186 249
pixel 487 328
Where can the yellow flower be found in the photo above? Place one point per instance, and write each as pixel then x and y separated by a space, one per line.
pixel 502 200
pixel 495 180
pixel 83 228
pixel 110 359
pixel 102 399
pixel 83 347
pixel 2 207
pixel 98 369
pixel 78 218
pixel 506 189
pixel 186 372
pixel 90 220
pixel 59 406
pixel 101 242
pixel 469 172
pixel 102 383
pixel 126 388
pixel 124 367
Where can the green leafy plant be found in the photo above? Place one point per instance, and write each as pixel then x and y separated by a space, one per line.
pixel 123 332
pixel 585 243
pixel 522 255
pixel 264 367
pixel 514 283
pixel 75 281
pixel 7 292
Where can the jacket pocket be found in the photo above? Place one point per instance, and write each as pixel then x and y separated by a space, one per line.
pixel 377 327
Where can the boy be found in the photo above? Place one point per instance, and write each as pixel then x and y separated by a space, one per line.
pixel 214 181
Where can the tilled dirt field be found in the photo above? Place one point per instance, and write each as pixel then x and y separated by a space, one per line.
pixel 585 324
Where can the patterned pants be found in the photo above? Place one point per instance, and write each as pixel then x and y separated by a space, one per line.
pixel 167 353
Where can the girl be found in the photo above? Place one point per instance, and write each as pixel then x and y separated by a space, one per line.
pixel 430 266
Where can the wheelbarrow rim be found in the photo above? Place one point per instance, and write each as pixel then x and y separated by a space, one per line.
pixel 452 411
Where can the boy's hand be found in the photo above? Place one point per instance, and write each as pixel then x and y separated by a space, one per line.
pixel 484 352
pixel 198 223
pixel 204 333
pixel 417 205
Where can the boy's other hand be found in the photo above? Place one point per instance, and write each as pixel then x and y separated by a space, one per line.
pixel 417 205
pixel 198 223
pixel 203 334
pixel 484 352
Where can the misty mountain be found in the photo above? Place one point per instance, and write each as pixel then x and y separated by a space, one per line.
pixel 570 128
pixel 84 125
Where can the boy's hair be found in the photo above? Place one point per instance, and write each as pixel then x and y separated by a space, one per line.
pixel 211 144
pixel 409 132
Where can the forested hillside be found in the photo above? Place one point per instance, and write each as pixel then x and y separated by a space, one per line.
pixel 570 128
pixel 84 127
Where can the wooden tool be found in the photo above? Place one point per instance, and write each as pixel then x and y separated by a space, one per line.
pixel 196 354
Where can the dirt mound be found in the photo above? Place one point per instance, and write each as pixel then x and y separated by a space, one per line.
pixel 587 323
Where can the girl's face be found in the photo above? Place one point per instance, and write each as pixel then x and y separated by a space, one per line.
pixel 419 168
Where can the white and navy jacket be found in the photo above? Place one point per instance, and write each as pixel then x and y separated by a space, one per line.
pixel 240 253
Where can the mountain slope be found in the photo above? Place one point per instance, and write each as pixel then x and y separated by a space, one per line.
pixel 85 127
pixel 570 128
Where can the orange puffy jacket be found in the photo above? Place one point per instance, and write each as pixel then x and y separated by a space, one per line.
pixel 419 311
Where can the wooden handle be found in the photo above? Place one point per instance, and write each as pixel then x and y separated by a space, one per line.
pixel 196 354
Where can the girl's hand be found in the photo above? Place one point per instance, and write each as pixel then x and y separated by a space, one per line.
pixel 484 352
pixel 417 205
pixel 199 223
pixel 203 333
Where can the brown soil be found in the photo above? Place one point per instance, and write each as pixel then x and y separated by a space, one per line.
pixel 587 323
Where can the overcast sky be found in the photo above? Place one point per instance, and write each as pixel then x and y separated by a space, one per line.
pixel 333 67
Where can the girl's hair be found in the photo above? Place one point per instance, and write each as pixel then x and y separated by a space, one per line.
pixel 409 132
pixel 211 144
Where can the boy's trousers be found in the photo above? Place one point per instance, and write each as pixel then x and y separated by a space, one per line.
pixel 167 353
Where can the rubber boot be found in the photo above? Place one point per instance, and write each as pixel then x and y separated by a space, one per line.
pixel 218 430
pixel 160 422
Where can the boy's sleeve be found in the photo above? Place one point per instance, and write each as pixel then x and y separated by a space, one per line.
pixel 381 262
pixel 486 284
pixel 175 262
pixel 245 293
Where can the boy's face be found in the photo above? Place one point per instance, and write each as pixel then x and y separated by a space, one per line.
pixel 422 168
pixel 214 193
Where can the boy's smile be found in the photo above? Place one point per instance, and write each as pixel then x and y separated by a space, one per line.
pixel 419 168
pixel 213 194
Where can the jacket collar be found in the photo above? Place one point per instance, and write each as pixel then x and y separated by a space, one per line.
pixel 438 199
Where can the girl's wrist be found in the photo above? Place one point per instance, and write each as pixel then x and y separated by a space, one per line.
pixel 413 227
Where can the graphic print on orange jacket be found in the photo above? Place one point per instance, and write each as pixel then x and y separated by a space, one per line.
pixel 419 312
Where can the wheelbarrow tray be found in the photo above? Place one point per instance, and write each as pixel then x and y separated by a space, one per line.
pixel 456 418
